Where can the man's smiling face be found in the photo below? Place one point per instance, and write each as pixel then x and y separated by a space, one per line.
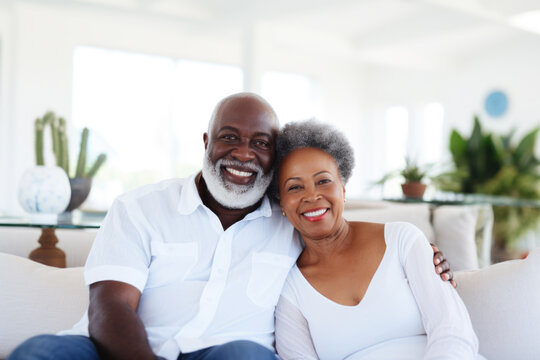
pixel 240 151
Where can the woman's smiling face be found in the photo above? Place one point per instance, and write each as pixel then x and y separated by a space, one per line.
pixel 311 192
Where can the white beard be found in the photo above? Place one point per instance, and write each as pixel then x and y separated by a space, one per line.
pixel 234 196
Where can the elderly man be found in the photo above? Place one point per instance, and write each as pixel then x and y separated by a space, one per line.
pixel 190 268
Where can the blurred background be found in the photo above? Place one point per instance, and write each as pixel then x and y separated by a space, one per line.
pixel 144 75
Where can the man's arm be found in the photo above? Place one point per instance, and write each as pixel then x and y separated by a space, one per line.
pixel 442 267
pixel 114 326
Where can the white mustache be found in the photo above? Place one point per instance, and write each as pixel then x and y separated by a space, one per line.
pixel 232 195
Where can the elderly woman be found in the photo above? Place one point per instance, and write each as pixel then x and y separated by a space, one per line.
pixel 359 290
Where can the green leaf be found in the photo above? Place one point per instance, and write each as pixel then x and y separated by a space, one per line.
pixel 493 162
pixel 524 152
pixel 500 150
pixel 458 148
pixel 508 138
pixel 475 142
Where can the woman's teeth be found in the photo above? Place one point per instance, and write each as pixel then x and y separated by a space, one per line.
pixel 239 173
pixel 315 213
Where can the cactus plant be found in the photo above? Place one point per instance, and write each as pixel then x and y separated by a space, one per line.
pixel 97 164
pixel 82 181
pixel 38 125
pixel 62 156
pixel 50 119
pixel 81 163
pixel 60 146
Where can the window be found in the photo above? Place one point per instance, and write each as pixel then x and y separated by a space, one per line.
pixel 396 145
pixel 419 137
pixel 396 142
pixel 148 113
pixel 432 133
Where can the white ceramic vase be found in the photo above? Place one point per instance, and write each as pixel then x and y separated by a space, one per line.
pixel 44 191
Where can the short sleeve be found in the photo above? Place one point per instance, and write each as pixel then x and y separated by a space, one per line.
pixel 121 251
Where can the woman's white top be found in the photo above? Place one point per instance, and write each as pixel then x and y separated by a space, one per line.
pixel 405 300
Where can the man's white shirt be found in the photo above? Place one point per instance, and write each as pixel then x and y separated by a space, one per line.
pixel 201 286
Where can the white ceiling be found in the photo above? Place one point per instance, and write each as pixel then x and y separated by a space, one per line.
pixel 398 32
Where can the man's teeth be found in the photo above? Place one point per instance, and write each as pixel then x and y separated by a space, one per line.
pixel 239 173
pixel 315 213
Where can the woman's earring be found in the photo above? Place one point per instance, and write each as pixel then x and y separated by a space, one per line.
pixel 283 212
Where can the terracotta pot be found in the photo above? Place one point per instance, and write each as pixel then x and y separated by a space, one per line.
pixel 80 188
pixel 413 189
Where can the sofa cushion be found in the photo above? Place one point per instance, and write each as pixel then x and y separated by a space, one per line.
pixel 455 235
pixel 504 304
pixel 383 212
pixel 37 299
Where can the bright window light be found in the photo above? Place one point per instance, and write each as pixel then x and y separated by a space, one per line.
pixel 432 133
pixel 148 113
pixel 396 137
pixel 396 145
pixel 529 21
pixel 292 95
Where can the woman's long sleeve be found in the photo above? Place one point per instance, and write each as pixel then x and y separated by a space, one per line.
pixel 444 315
pixel 293 339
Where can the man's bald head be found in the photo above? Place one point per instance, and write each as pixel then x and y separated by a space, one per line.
pixel 243 96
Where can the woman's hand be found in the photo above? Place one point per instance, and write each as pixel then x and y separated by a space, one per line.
pixel 442 267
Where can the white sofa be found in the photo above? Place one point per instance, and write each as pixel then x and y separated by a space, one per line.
pixel 503 299
pixel 503 302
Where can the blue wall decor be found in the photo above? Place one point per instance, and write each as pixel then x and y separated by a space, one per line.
pixel 496 103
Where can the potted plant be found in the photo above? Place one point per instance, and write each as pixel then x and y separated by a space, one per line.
pixel 44 191
pixel 492 164
pixel 413 176
pixel 81 181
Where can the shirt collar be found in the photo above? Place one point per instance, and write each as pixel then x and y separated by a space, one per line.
pixel 190 201
pixel 265 209
pixel 189 196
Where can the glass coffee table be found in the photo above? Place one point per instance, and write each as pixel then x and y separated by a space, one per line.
pixel 47 253
pixel 468 199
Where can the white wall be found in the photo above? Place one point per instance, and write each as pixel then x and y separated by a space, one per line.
pixel 513 68
pixel 6 83
pixel 461 89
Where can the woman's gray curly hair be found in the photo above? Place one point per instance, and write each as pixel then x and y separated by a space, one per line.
pixel 315 134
